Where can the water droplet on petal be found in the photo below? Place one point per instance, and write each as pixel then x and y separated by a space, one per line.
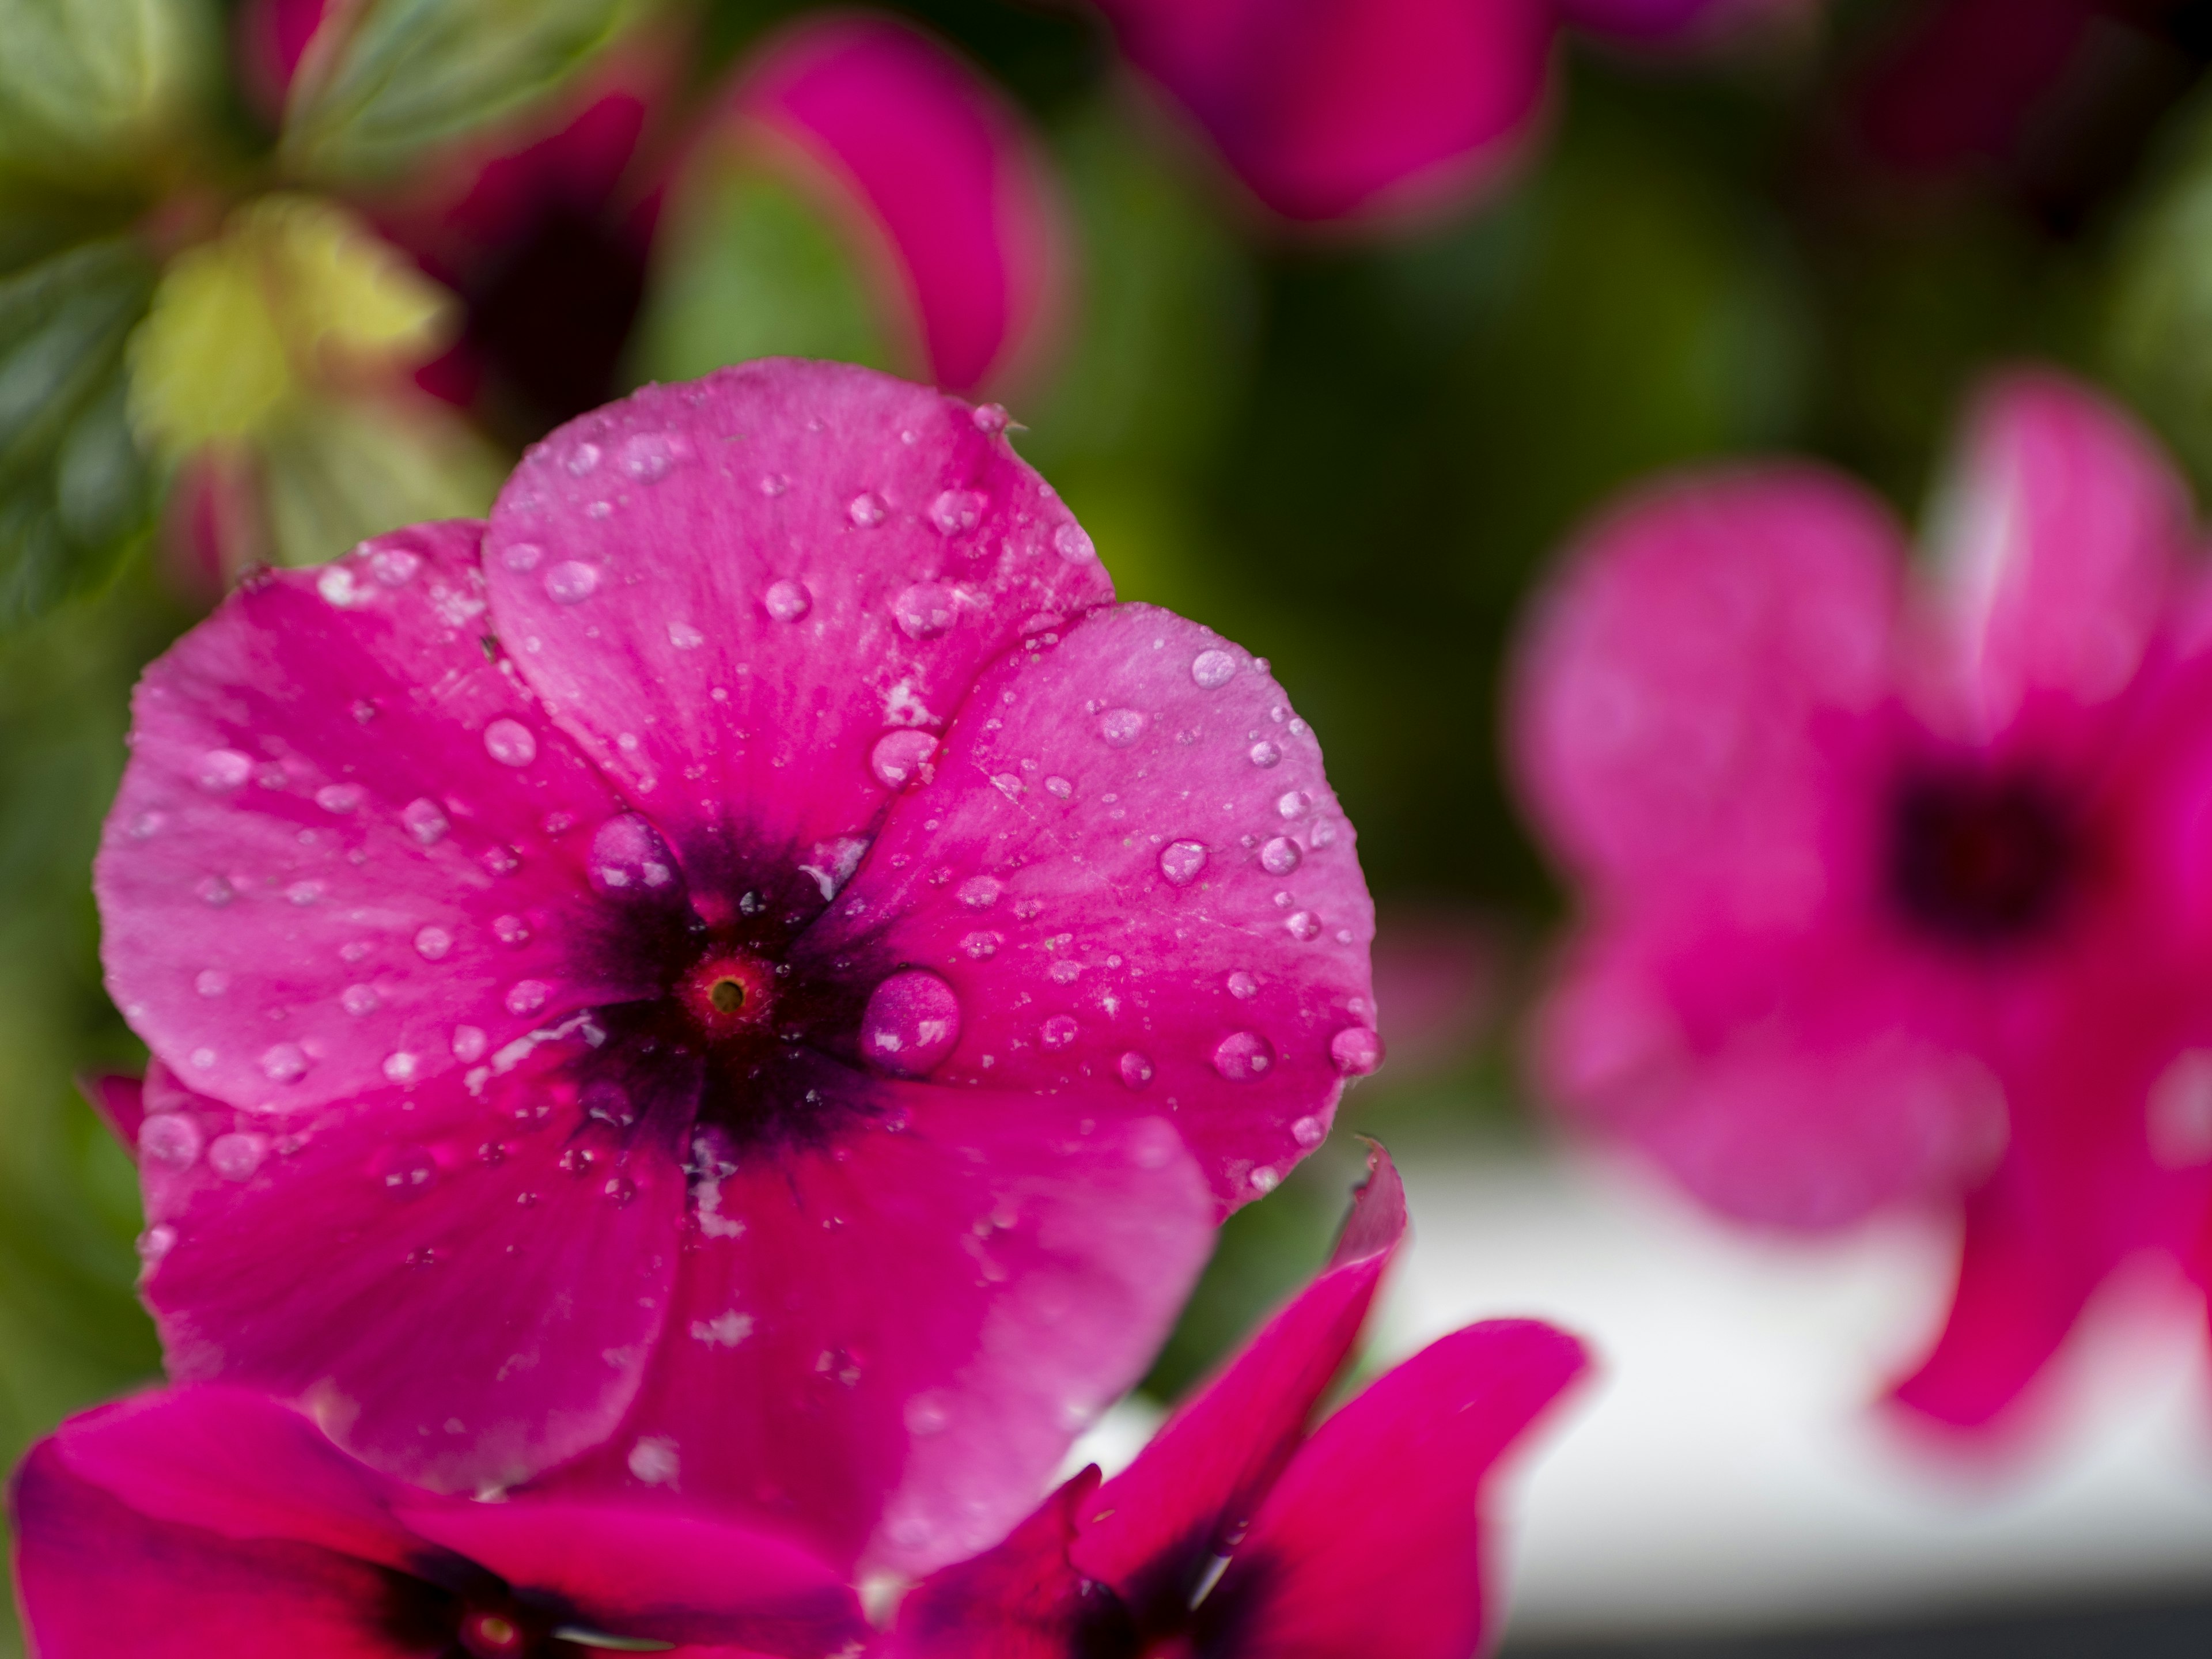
pixel 432 944
pixel 1072 542
pixel 1136 1070
pixel 1210 669
pixel 211 981
pixel 957 510
pixel 572 581
pixel 1303 925
pixel 628 859
pixel 989 418
pixel 522 555
pixel 217 892
pixel 1182 860
pixel 339 797
pixel 1280 856
pixel 582 459
pixel 1244 1056
pixel 286 1062
pixel 980 893
pixel 1242 985
pixel 527 996
pixel 1121 726
pixel 684 637
pixel 1264 1180
pixel 359 999
pixel 1294 805
pixel 1308 1132
pixel 406 1171
pixel 401 1067
pixel 923 610
pixel 865 510
pixel 773 485
pixel 469 1043
pixel 900 756
pixel 787 600
pixel 1059 788
pixel 1058 1031
pixel 303 893
pixel 1264 753
pixel 171 1139
pixel 619 1189
pixel 647 456
pixel 1356 1050
pixel 425 820
pixel 981 947
pixel 510 743
pixel 394 566
pixel 911 1023
pixel 224 769
pixel 511 930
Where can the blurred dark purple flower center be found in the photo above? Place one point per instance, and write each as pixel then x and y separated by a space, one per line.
pixel 1981 860
pixel 465 1613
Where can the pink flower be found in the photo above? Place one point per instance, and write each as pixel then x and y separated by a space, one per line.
pixel 750 963
pixel 1889 884
pixel 200 1521
pixel 1370 109
pixel 1236 1532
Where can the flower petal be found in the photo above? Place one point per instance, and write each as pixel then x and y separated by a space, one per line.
pixel 943 1307
pixel 2066 528
pixel 1340 108
pixel 1019 1601
pixel 119 1101
pixel 653 1575
pixel 462 1291
pixel 941 163
pixel 335 845
pixel 1206 1473
pixel 99 1581
pixel 1695 676
pixel 1132 873
pixel 857 549
pixel 1370 1542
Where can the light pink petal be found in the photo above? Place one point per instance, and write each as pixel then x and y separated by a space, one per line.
pixel 1019 1601
pixel 236 1465
pixel 1371 1542
pixel 1695 684
pixel 2066 527
pixel 1801 1083
pixel 97 1580
pixel 346 836
pixel 890 1352
pixel 462 1291
pixel 854 550
pixel 1204 1475
pixel 1333 109
pixel 1132 873
pixel 941 164
pixel 653 1575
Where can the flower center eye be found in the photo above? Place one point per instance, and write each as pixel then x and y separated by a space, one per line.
pixel 492 1636
pixel 1980 860
pixel 727 994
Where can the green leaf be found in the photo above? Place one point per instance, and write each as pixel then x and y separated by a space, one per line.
pixel 2159 335
pixel 748 266
pixel 337 472
pixel 74 493
pixel 90 89
pixel 409 74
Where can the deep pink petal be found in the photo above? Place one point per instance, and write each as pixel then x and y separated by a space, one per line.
pixel 346 836
pixel 650 1574
pixel 235 1465
pixel 1690 684
pixel 1130 869
pixel 738 691
pixel 1020 1600
pixel 271 37
pixel 1206 1473
pixel 891 1349
pixel 941 164
pixel 2067 530
pixel 1331 109
pixel 120 1101
pixel 1371 1543
pixel 98 1580
pixel 463 1290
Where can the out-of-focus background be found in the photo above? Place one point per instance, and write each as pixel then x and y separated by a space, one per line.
pixel 266 287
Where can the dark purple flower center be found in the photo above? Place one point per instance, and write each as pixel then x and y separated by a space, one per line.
pixel 1981 858
pixel 465 1613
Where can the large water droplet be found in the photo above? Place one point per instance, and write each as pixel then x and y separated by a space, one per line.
pixel 1210 669
pixel 1303 925
pixel 865 510
pixel 1072 542
pixel 171 1139
pixel 425 820
pixel 1058 1031
pixel 527 996
pixel 1244 1056
pixel 900 756
pixel 1242 985
pixel 684 637
pixel 1121 726
pixel 340 798
pixel 787 600
pixel 1308 1132
pixel 469 1043
pixel 359 999
pixel 394 566
pixel 647 456
pixel 522 557
pixel 1293 804
pixel 211 981
pixel 1136 1070
pixel 1264 753
pixel 284 1062
pixel 911 1023
pixel 957 510
pixel 510 743
pixel 223 770
pixel 628 859
pixel 582 459
pixel 980 893
pixel 923 610
pixel 990 419
pixel 431 943
pixel 572 581
pixel 235 1156
pixel 1356 1050
pixel 1182 860
pixel 1280 856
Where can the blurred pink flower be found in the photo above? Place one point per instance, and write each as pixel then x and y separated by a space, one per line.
pixel 1893 889
pixel 203 1520
pixel 745 947
pixel 1238 1532
pixel 1371 109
